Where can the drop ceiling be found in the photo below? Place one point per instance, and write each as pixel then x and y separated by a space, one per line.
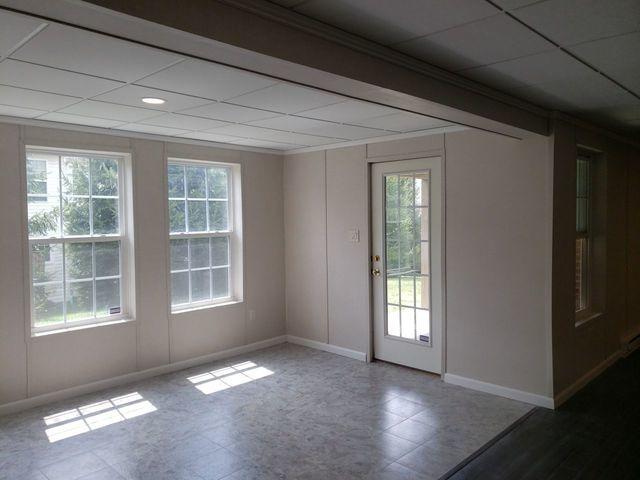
pixel 63 74
pixel 577 56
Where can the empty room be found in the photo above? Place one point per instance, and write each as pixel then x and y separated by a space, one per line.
pixel 319 239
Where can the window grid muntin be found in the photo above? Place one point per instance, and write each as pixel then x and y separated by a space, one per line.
pixel 64 240
pixel 583 277
pixel 188 235
pixel 400 271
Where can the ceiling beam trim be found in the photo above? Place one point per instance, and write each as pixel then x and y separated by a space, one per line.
pixel 225 33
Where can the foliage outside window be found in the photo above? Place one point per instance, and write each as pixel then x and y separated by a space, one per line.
pixel 201 229
pixel 407 258
pixel 583 234
pixel 75 238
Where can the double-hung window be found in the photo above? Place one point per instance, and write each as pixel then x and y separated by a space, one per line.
pixel 583 234
pixel 76 235
pixel 202 233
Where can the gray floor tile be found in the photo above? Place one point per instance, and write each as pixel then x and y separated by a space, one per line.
pixel 402 407
pixel 413 431
pixel 74 467
pixel 318 415
pixel 104 474
pixel 427 461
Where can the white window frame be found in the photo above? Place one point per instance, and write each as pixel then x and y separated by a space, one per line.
pixel 123 237
pixel 233 235
pixel 586 311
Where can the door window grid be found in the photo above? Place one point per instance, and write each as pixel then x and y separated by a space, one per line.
pixel 583 233
pixel 41 245
pixel 414 276
pixel 216 232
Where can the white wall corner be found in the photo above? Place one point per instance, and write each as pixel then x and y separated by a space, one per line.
pixel 512 393
pixel 327 347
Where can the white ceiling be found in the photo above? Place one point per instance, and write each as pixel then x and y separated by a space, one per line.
pixel 63 74
pixel 577 56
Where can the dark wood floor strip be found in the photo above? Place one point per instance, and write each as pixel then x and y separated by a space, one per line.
pixel 595 435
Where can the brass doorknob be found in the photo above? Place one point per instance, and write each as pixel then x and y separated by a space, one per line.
pixel 375 272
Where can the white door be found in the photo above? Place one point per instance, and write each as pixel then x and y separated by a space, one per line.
pixel 407 262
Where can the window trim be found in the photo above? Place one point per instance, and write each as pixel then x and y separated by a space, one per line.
pixel 233 234
pixel 124 237
pixel 586 313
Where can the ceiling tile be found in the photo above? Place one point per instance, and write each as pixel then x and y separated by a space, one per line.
pixel 19 112
pixel 209 137
pixel 348 112
pixel 111 111
pixel 94 54
pixel 590 93
pixel 286 98
pixel 386 22
pixel 618 57
pixel 493 39
pixel 137 127
pixel 290 123
pixel 252 142
pixel 259 133
pixel 545 67
pixel 184 122
pixel 20 97
pixel 403 122
pixel 568 22
pixel 79 120
pixel 229 113
pixel 348 132
pixel 207 80
pixel 46 79
pixel 13 29
pixel 513 4
pixel 132 95
pixel 288 3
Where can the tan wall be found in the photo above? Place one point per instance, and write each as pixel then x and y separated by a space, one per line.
pixel 632 324
pixel 306 245
pixel 580 350
pixel 498 218
pixel 498 229
pixel 54 362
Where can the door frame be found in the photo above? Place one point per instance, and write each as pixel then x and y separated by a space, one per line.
pixel 436 152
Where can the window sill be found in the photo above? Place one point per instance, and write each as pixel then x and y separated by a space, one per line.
pixel 205 307
pixel 586 317
pixel 45 333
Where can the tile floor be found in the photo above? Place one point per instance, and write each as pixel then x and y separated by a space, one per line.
pixel 286 412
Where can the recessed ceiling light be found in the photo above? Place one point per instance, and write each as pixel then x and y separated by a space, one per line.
pixel 153 101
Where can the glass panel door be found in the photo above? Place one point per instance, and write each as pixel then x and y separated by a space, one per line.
pixel 407 255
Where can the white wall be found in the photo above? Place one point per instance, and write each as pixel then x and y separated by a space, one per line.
pixel 297 219
pixel 33 366
pixel 498 244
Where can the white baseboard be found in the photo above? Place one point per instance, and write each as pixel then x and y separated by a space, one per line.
pixel 327 347
pixel 39 400
pixel 512 393
pixel 579 384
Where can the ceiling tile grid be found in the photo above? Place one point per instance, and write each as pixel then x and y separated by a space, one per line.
pixel 388 22
pixel 15 29
pixel 536 49
pixel 486 41
pixel 52 72
pixel 55 75
pixel 90 53
pixel 569 22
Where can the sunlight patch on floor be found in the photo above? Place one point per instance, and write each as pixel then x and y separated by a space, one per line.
pixel 227 377
pixel 86 418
